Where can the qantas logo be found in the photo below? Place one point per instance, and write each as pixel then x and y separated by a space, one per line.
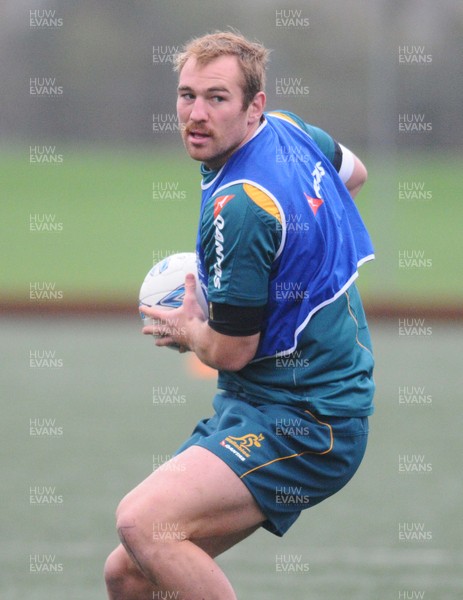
pixel 219 223
pixel 220 202
pixel 314 203
pixel 219 239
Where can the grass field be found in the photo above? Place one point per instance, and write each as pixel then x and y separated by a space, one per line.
pixel 105 433
pixel 95 395
pixel 109 229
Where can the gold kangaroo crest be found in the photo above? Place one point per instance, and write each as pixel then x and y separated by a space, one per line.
pixel 245 442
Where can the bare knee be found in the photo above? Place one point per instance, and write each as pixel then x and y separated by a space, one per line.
pixel 129 510
pixel 116 571
pixel 123 579
pixel 138 520
pixel 149 531
pixel 128 521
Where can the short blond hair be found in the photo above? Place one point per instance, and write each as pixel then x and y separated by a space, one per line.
pixel 252 58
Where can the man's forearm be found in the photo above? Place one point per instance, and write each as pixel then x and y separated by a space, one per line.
pixel 220 351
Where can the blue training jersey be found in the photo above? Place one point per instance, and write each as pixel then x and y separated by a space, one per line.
pixel 285 234
pixel 316 261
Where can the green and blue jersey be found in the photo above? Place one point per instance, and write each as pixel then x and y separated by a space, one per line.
pixel 278 228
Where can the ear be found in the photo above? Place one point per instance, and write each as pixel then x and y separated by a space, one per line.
pixel 256 108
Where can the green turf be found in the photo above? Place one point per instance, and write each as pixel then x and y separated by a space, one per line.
pixel 111 226
pixel 102 398
pixel 112 229
pixel 427 228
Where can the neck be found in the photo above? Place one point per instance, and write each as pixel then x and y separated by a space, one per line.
pixel 220 161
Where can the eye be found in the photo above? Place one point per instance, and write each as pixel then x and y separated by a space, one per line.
pixel 218 99
pixel 186 96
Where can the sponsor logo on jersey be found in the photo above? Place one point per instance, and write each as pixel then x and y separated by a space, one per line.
pixel 317 175
pixel 218 235
pixel 241 446
pixel 314 203
pixel 220 202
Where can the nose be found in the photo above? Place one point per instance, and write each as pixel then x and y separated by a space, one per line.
pixel 199 110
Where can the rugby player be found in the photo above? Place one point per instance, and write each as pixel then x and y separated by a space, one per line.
pixel 279 245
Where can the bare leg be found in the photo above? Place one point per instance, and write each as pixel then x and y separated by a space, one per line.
pixel 125 581
pixel 173 524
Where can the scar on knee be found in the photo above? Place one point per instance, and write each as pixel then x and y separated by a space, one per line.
pixel 129 550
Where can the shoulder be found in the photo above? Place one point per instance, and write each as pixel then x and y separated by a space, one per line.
pixel 242 200
pixel 240 234
pixel 325 142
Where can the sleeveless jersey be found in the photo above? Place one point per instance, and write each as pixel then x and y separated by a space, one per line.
pixel 323 238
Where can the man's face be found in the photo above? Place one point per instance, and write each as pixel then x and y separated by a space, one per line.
pixel 210 110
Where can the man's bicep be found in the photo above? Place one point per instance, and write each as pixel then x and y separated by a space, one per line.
pixel 353 172
pixel 233 353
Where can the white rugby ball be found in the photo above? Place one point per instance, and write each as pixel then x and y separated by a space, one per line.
pixel 164 285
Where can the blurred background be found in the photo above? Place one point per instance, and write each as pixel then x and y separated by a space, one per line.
pixel 96 187
pixel 89 134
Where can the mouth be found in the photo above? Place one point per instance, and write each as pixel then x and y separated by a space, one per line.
pixel 196 136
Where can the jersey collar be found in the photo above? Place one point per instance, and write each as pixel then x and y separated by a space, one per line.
pixel 209 175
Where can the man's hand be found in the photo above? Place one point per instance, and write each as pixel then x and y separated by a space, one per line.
pixel 172 326
pixel 187 327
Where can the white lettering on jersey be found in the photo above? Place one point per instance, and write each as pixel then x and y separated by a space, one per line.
pixel 219 224
pixel 317 174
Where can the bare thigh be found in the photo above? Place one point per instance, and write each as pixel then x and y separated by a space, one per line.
pixel 200 499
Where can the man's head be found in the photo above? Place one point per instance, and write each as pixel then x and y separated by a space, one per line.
pixel 252 58
pixel 220 94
